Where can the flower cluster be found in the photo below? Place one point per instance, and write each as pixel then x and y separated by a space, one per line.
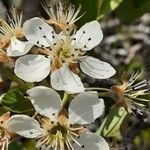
pixel 36 51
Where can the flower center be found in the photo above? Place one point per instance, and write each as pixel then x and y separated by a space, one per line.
pixel 58 129
pixel 64 52
pixel 59 135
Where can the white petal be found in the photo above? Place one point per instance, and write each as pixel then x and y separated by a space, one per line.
pixel 85 108
pixel 32 68
pixel 18 48
pixel 38 32
pixel 24 126
pixel 91 141
pixel 96 68
pixel 88 36
pixel 46 101
pixel 65 79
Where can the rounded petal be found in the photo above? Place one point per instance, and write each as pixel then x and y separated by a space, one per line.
pixel 38 32
pixel 85 108
pixel 88 36
pixel 65 79
pixel 96 68
pixel 90 141
pixel 32 68
pixel 24 126
pixel 18 48
pixel 46 101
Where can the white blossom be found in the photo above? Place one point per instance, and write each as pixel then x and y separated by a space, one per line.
pixel 65 53
pixel 57 128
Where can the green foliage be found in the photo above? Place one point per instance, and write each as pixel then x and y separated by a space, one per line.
pixel 15 146
pixel 112 123
pixel 16 102
pixel 130 10
pixel 126 10
pixel 106 6
pixel 89 7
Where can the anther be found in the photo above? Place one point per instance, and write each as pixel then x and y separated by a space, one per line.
pixel 83 32
pixel 78 137
pixel 89 39
pixel 40 28
pixel 52 122
pixel 53 36
pixel 67 29
pixel 82 146
pixel 44 36
pixel 31 132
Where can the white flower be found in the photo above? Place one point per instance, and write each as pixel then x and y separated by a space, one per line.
pixel 61 129
pixel 9 34
pixel 64 18
pixel 65 54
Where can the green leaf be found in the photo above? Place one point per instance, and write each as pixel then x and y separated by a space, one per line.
pixel 3 110
pixel 89 7
pixel 106 6
pixel 130 10
pixel 112 123
pixel 29 145
pixel 16 102
pixel 15 146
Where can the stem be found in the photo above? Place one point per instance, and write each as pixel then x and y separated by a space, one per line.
pixel 104 94
pixel 97 89
pixel 65 99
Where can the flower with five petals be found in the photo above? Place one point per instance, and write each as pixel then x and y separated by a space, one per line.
pixel 58 129
pixel 62 54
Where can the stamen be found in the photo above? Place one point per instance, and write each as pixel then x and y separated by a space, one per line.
pixel 69 143
pixel 140 85
pixel 76 141
pixel 74 134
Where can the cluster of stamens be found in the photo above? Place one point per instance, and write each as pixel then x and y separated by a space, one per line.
pixel 4 138
pixel 126 92
pixel 13 29
pixel 5 135
pixel 62 50
pixel 63 18
pixel 59 135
